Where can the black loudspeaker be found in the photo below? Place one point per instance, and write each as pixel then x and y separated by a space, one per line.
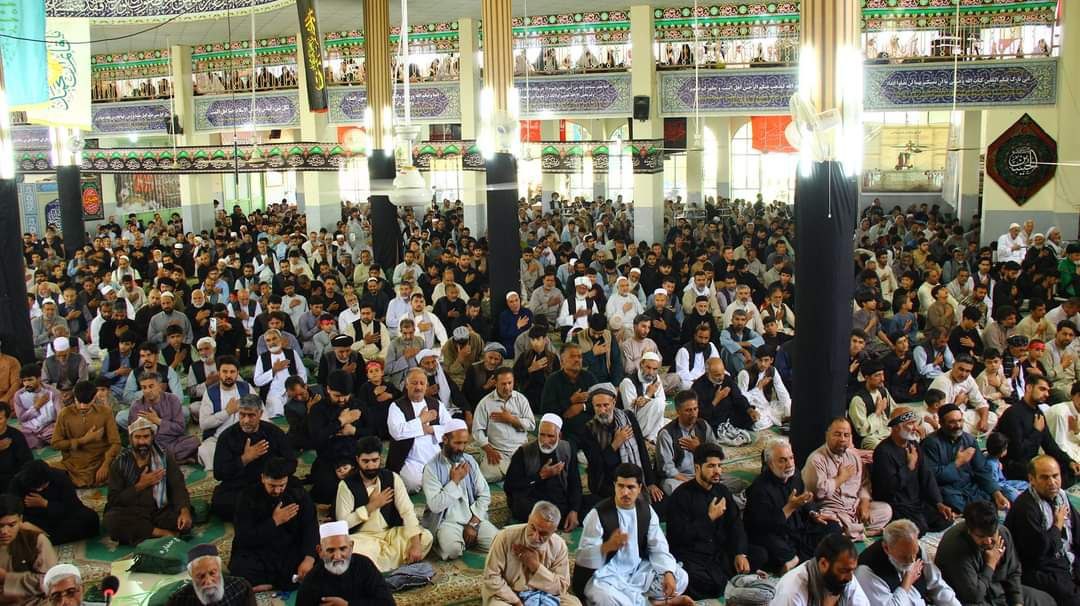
pixel 275 134
pixel 172 125
pixel 641 107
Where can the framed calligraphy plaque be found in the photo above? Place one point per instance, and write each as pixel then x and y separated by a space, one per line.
pixel 1022 160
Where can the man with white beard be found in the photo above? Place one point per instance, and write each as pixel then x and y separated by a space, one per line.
pixel 895 571
pixel 622 308
pixel 643 394
pixel 342 577
pixel 574 312
pixel 208 585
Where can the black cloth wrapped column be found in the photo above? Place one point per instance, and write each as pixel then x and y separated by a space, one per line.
pixel 385 231
pixel 504 230
pixel 69 187
pixel 18 340
pixel 825 209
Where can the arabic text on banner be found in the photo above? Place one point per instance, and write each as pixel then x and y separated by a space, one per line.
pixel 68 75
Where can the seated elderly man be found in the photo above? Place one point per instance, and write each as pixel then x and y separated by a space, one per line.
pixel 341 576
pixel 724 406
pixel 901 477
pixel 416 424
pixel 978 559
pixel 961 469
pixel 679 440
pixel 834 474
pixel 1045 527
pixel 457 496
pixel 545 469
pixel 960 388
pixel 381 517
pixel 623 557
pixel 147 494
pixel 781 516
pixel 501 425
pixel 871 406
pixel 642 393
pixel 209 585
pixel 529 561
pixel 63 586
pixel 479 377
pixel 612 438
pixel 166 411
pixel 893 571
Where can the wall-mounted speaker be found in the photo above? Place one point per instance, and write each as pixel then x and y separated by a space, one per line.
pixel 641 107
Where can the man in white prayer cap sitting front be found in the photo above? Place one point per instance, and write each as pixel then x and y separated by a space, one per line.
pixel 63 585
pixel 342 577
pixel 457 497
pixel 545 469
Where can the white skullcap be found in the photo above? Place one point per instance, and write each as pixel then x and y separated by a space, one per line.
pixel 61 344
pixel 511 294
pixel 622 279
pixel 634 270
pixel 425 353
pixel 334 529
pixel 58 572
pixel 47 300
pixel 651 356
pixel 105 289
pixel 573 260
pixel 454 425
pixel 552 418
pixel 1014 226
pixel 168 293
pixel 581 281
pixel 206 341
pixel 659 291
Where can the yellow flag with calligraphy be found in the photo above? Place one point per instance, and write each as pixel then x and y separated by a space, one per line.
pixel 68 74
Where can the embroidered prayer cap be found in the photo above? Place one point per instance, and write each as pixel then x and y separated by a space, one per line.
pixel 901 415
pixel 659 291
pixel 206 341
pixel 581 281
pixel 334 529
pixel 552 418
pixel 622 279
pixel 425 353
pixel 497 347
pixel 168 295
pixel 203 550
pixel 341 341
pixel 454 425
pixel 60 344
pixel 461 333
pixel 635 270
pixel 60 571
pixel 47 300
pixel 512 293
pixel 602 388
pixel 141 423
pixel 651 356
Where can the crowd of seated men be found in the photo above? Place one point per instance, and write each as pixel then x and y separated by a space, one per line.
pixel 402 380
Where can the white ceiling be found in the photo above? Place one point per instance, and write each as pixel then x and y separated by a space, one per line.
pixel 334 15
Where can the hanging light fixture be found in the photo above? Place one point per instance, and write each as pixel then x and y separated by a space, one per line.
pixel 409 188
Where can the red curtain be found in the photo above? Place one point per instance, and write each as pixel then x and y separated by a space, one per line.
pixel 530 130
pixel 768 134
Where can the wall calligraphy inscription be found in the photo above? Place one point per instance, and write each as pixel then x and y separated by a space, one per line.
pixel 765 90
pixel 976 84
pixel 429 102
pixel 128 117
pixel 1022 160
pixel 591 95
pixel 280 109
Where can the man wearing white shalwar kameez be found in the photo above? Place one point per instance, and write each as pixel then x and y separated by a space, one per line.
pixel 1063 420
pixel 622 576
pixel 643 394
pixel 765 390
pixel 961 389
pixel 574 312
pixel 622 308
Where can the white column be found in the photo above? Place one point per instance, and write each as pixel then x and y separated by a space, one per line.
pixel 695 161
pixel 322 193
pixel 474 183
pixel 969 176
pixel 721 129
pixel 648 188
pixel 196 191
pixel 549 131
pixel 1067 179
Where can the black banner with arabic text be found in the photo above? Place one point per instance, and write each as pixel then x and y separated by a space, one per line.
pixel 312 49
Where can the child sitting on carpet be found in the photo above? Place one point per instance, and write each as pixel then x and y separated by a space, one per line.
pixel 997 445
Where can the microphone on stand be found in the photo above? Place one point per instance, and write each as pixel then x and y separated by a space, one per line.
pixel 109 586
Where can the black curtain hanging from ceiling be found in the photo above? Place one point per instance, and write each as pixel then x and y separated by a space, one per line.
pixel 826 204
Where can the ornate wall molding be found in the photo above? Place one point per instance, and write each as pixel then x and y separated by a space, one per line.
pixel 431 102
pixel 979 84
pixel 592 95
pixel 278 109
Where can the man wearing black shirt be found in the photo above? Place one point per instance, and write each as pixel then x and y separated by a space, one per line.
pixel 964 338
pixel 1025 427
pixel 545 470
pixel 901 476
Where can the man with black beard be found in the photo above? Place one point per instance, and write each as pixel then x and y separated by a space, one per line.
pixel 376 505
pixel 334 425
pixel 781 516
pixel 893 571
pixel 706 531
pixel 663 328
pixel 275 537
pixel 242 453
pixel 901 476
pixel 827 579
pixel 208 585
pixel 341 577
pixel 342 357
pixel 545 470
pixel 147 494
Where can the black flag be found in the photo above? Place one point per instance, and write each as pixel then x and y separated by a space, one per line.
pixel 311 43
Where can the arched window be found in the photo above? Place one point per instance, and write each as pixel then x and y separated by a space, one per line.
pixel 752 172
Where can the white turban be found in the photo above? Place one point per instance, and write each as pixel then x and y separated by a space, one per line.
pixel 552 418
pixel 60 344
pixel 334 529
pixel 58 572
pixel 454 425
